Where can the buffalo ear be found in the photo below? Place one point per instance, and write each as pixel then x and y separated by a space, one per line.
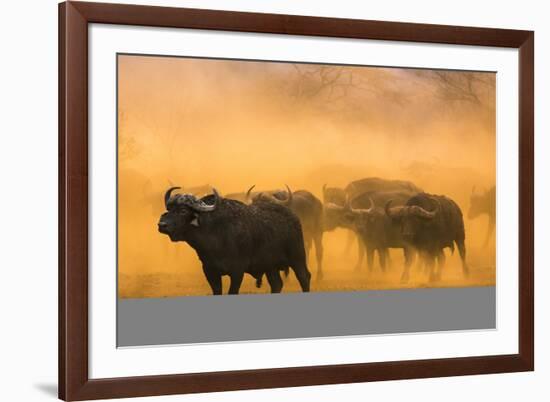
pixel 195 220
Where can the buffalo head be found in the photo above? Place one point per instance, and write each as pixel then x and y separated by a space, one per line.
pixel 281 198
pixel 183 213
pixel 413 218
pixel 346 216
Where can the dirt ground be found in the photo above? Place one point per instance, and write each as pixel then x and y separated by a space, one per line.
pixel 339 276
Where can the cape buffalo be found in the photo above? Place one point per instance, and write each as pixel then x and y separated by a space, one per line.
pixel 484 204
pixel 335 214
pixel 336 196
pixel 309 211
pixel 430 223
pixel 379 233
pixel 231 238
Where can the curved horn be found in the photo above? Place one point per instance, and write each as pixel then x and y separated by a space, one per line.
pixel 289 198
pixel 364 211
pixel 201 206
pixel 333 206
pixel 419 211
pixel 347 204
pixel 247 197
pixel 168 194
pixel 274 199
pixel 393 212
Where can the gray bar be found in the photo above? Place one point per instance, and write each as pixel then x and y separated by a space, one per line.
pixel 207 319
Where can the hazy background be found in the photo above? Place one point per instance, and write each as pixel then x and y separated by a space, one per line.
pixel 231 124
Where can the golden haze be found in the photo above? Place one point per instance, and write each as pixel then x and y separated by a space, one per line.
pixel 232 124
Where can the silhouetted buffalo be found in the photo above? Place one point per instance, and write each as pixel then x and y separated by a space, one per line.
pixel 361 192
pixel 309 211
pixel 232 238
pixel 430 223
pixel 378 232
pixel 484 204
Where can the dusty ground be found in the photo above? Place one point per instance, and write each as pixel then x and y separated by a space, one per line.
pixel 339 275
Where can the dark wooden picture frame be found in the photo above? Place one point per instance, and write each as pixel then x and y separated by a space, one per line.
pixel 74 381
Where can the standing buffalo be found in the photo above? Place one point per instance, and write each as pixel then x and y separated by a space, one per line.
pixel 333 199
pixel 361 192
pixel 484 204
pixel 232 238
pixel 378 232
pixel 430 223
pixel 309 211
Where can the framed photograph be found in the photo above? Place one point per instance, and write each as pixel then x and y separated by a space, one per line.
pixel 259 200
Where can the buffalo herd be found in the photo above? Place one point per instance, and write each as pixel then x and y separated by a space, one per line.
pixel 264 233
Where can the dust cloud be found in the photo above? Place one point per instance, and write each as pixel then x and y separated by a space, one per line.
pixel 231 124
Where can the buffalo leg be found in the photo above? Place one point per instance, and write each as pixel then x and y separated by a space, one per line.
pixel 318 239
pixel 307 246
pixel 214 280
pixel 370 258
pixel 302 274
pixel 426 256
pixel 360 253
pixel 420 261
pixel 440 263
pixel 259 281
pixel 275 281
pixel 409 255
pixel 462 252
pixel 388 258
pixel 430 264
pixel 236 280
pixel 382 254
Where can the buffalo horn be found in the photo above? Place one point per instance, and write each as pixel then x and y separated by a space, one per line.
pixel 168 194
pixel 392 212
pixel 419 211
pixel 201 206
pixel 362 210
pixel 289 193
pixel 247 198
pixel 333 206
pixel 274 199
